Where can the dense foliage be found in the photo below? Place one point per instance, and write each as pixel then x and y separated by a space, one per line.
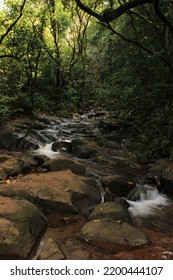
pixel 65 55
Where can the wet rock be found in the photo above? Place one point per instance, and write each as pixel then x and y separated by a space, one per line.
pixel 50 250
pixel 42 159
pixel 114 210
pixel 119 185
pixel 47 136
pixel 62 145
pixel 21 224
pixel 7 138
pixel 59 164
pixel 120 158
pixel 103 159
pixel 23 144
pixel 36 124
pixel 84 148
pixel 151 179
pixel 137 192
pixel 34 135
pixel 112 157
pixel 166 183
pixel 113 232
pixel 55 192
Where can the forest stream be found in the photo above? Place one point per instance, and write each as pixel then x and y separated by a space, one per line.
pixel 119 210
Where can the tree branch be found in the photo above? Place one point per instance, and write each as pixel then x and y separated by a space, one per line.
pixel 112 14
pixel 14 23
pixel 139 44
pixel 89 11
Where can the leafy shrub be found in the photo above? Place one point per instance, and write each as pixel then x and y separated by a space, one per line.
pixel 4 112
pixel 23 104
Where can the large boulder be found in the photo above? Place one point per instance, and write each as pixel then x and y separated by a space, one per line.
pixel 119 185
pixel 9 140
pixel 113 233
pixel 23 144
pixel 84 148
pixel 55 192
pixel 59 164
pixel 21 224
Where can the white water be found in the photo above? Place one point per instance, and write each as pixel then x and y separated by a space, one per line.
pixel 47 151
pixel 151 203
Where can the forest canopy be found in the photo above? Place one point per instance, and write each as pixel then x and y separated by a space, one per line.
pixel 66 55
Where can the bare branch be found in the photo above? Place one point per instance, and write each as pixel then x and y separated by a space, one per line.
pixel 112 14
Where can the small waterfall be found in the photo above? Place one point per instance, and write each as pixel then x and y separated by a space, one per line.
pixel 47 151
pixel 150 201
pixel 102 193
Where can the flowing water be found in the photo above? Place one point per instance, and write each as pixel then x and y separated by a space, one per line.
pixel 47 151
pixel 150 202
pixel 151 210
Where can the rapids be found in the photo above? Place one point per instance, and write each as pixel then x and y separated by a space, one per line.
pixel 150 203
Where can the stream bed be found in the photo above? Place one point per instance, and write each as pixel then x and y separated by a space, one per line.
pixel 150 211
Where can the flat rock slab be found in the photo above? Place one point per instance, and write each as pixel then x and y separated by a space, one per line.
pixel 114 232
pixel 55 192
pixel 21 224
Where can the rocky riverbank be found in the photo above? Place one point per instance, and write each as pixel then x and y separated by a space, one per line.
pixel 55 174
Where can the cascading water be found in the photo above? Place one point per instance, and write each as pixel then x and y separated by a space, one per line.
pixel 150 201
pixel 47 151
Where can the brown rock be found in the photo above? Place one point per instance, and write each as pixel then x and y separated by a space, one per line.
pixel 55 192
pixel 50 250
pixel 21 223
pixel 59 164
pixel 101 231
pixel 117 211
pixel 119 185
pixel 84 148
pixel 10 167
